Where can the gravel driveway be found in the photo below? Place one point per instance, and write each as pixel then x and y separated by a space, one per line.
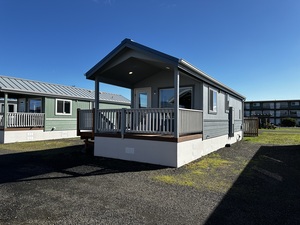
pixel 65 186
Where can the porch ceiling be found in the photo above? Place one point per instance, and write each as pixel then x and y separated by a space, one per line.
pixel 131 71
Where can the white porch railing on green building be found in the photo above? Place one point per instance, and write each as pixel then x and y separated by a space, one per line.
pixel 16 120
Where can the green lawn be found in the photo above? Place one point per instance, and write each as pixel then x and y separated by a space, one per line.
pixel 41 145
pixel 215 172
pixel 278 136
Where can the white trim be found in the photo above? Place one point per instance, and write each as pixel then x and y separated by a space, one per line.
pixel 214 111
pixel 64 100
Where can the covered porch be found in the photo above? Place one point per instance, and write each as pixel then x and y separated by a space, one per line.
pixel 165 122
pixel 149 123
pixel 166 100
pixel 21 112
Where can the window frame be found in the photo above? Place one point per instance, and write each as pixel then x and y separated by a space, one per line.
pixel 227 103
pixel 191 88
pixel 35 99
pixel 64 112
pixel 213 91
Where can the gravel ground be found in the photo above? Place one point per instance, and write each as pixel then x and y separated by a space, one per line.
pixel 65 186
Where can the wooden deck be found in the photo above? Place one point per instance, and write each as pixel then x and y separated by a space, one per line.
pixel 152 137
pixel 151 124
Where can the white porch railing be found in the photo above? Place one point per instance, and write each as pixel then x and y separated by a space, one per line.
pixel 22 120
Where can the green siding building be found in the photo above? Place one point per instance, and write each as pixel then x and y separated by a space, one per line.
pixel 45 111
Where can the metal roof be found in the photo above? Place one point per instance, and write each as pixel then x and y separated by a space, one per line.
pixel 37 88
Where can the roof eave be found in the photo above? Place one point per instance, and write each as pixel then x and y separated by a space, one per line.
pixel 128 43
pixel 186 66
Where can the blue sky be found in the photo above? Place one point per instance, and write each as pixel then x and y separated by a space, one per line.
pixel 252 46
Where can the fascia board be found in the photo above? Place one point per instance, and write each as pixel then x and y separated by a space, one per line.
pixel 185 66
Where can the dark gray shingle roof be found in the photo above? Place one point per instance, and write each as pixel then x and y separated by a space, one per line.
pixel 31 87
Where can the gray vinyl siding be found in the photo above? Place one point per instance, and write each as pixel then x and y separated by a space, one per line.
pixel 214 128
pixel 215 125
pixel 113 106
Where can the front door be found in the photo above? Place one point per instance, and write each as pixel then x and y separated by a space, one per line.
pixel 142 98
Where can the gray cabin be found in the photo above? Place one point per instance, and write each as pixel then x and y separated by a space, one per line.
pixel 178 113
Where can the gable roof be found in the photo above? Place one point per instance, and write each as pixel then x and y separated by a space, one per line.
pixel 130 44
pixel 37 88
pixel 116 67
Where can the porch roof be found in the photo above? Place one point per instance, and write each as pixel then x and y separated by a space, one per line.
pixel 18 86
pixel 131 62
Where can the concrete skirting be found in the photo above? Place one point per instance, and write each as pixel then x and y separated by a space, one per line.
pixel 34 135
pixel 173 154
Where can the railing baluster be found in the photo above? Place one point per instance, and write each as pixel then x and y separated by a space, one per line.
pixel 25 119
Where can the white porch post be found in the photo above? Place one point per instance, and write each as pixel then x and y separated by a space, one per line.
pixel 97 88
pixel 5 110
pixel 176 103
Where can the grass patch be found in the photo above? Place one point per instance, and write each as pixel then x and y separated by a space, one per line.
pixel 280 136
pixel 211 172
pixel 41 145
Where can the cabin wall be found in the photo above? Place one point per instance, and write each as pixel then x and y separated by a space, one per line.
pixel 165 79
pixel 217 124
pixel 54 122
pixel 112 106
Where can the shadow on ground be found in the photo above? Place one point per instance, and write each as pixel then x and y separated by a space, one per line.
pixel 63 163
pixel 266 192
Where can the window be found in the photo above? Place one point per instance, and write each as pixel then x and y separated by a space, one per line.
pixel 35 105
pixel 63 107
pixel 166 97
pixel 247 105
pixel 143 100
pixel 227 103
pixel 11 108
pixel 213 96
pixel 280 105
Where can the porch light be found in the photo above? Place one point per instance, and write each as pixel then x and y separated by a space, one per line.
pixel 130 73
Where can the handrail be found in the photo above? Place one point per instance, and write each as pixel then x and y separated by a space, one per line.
pixel 144 121
pixel 25 119
pixel 191 121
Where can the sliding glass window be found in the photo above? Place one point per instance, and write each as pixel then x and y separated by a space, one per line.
pixel 166 97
